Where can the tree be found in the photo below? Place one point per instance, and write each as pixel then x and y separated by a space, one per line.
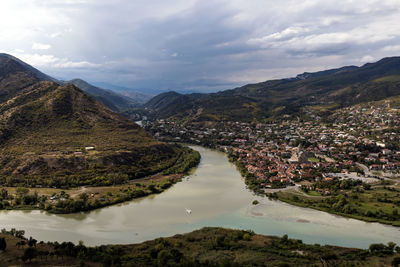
pixel 396 262
pixel 163 257
pixel 20 233
pixel 3 244
pixel 395 212
pixel 3 193
pixel 32 242
pixel 391 245
pixel 21 191
pixel 29 254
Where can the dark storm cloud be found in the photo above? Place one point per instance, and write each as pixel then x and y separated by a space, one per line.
pixel 197 45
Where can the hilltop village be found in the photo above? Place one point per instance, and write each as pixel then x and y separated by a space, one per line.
pixel 359 142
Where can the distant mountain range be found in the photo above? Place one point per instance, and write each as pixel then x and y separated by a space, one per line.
pixel 323 91
pixel 111 99
pixel 141 95
pixel 118 102
pixel 52 134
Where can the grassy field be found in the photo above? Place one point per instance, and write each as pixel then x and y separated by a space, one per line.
pixel 205 247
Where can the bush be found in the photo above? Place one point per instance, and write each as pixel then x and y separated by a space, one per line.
pixel 246 237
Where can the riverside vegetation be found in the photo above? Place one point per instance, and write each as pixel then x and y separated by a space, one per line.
pixel 204 247
pixel 378 203
pixel 57 136
pixel 53 138
pixel 348 164
pixel 118 189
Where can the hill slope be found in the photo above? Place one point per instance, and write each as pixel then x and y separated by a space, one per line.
pixel 16 75
pixel 327 89
pixel 204 247
pixel 56 135
pixel 114 101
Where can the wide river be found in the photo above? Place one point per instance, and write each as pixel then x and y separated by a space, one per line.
pixel 217 196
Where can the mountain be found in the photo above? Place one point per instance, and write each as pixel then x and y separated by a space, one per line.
pixel 114 101
pixel 11 64
pixel 15 74
pixel 56 135
pixel 307 75
pixel 323 91
pixel 139 97
pixel 142 95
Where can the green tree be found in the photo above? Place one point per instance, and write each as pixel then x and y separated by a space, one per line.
pixel 163 257
pixel 21 191
pixel 396 262
pixel 3 193
pixel 3 244
pixel 29 254
pixel 395 212
pixel 32 242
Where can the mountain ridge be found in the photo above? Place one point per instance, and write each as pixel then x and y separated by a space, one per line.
pixel 16 74
pixel 115 101
pixel 274 98
pixel 55 135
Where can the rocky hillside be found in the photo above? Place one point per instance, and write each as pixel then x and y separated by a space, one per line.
pixel 58 135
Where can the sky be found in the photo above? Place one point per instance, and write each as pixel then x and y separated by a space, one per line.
pixel 196 45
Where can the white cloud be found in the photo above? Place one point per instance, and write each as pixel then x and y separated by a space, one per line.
pixel 37 60
pixel 65 63
pixel 286 34
pixel 51 61
pixel 56 34
pixel 392 48
pixel 367 59
pixel 39 46
pixel 322 38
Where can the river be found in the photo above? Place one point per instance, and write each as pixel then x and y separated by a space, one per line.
pixel 217 196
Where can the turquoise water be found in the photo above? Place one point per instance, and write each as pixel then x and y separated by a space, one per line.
pixel 217 196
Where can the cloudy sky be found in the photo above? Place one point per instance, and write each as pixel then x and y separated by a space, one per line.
pixel 190 45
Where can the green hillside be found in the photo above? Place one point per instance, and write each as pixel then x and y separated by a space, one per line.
pixel 204 247
pixel 271 99
pixel 52 135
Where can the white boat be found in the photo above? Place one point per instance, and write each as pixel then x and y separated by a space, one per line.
pixel 189 211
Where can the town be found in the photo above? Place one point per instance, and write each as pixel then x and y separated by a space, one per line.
pixel 359 142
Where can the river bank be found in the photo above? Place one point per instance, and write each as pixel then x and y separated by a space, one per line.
pixel 217 196
pixel 87 198
pixel 376 202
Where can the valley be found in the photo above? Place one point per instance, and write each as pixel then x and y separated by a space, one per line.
pixel 199 133
pixel 69 161
pixel 57 137
pixel 347 163
pixel 215 183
